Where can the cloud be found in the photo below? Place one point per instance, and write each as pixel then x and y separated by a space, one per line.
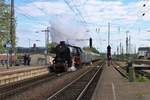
pixel 106 11
pixel 26 31
pixel 67 30
pixel 97 13
pixel 94 11
pixel 39 8
pixel 114 11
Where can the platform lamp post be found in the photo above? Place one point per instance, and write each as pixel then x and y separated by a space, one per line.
pixel 90 42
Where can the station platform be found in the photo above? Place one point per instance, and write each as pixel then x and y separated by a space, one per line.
pixel 18 73
pixel 4 69
pixel 113 86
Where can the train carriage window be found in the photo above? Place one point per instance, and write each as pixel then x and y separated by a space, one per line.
pixel 78 51
pixel 74 51
pixel 70 49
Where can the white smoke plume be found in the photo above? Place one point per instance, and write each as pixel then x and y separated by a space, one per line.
pixel 64 28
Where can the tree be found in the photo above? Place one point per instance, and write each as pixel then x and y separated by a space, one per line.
pixel 52 45
pixel 91 50
pixel 5 24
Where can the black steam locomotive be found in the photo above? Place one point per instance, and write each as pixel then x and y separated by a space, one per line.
pixel 68 55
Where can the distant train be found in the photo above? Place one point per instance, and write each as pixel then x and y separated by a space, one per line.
pixel 68 55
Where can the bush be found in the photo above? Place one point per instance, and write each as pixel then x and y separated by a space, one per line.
pixel 142 78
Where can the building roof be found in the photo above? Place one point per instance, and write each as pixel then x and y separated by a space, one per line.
pixel 144 48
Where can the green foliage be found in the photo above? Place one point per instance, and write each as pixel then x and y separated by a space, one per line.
pixel 91 50
pixel 140 95
pixel 5 24
pixel 52 45
pixel 143 78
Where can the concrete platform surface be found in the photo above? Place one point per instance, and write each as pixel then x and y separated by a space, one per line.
pixel 112 86
pixel 3 69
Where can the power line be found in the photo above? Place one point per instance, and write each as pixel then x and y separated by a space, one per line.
pixel 28 16
pixel 70 7
pixel 39 8
pixel 78 14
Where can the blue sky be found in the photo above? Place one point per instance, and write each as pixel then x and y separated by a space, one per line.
pixel 71 22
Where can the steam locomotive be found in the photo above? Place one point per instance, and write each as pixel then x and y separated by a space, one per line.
pixel 68 56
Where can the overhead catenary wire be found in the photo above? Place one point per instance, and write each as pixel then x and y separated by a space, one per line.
pixel 43 11
pixel 77 14
pixel 31 18
pixel 80 14
pixel 74 11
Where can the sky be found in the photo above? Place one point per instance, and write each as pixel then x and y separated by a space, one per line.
pixel 75 21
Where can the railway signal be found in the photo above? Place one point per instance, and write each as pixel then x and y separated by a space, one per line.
pixel 34 45
pixel 90 42
pixel 109 52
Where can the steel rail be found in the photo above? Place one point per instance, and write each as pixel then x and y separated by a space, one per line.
pixel 86 87
pixel 120 72
pixel 27 84
pixel 68 85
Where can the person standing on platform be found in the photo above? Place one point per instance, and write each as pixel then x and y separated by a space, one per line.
pixel 25 59
pixel 28 60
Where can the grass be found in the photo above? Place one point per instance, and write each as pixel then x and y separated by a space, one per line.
pixel 142 78
pixel 140 95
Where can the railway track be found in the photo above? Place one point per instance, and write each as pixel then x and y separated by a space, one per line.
pixel 138 71
pixel 143 73
pixel 81 88
pixel 16 87
pixel 119 69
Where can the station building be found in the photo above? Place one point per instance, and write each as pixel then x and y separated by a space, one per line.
pixel 144 52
